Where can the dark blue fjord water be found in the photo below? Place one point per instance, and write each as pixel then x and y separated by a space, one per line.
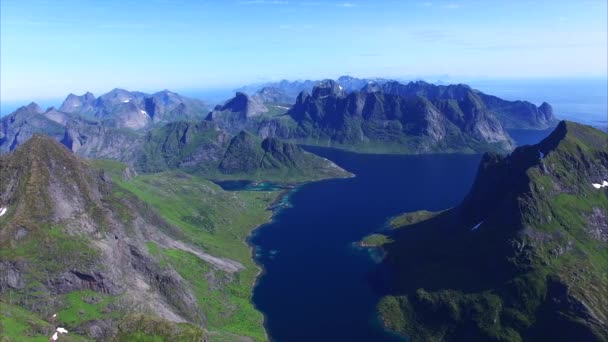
pixel 316 281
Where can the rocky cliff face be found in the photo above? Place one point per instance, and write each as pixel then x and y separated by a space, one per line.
pixel 84 135
pixel 198 146
pixel 416 123
pixel 111 126
pixel 235 113
pixel 512 114
pixel 66 232
pixel 20 126
pixel 521 114
pixel 520 259
pixel 385 116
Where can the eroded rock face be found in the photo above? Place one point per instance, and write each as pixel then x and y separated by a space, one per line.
pixel 234 114
pixel 11 275
pixel 427 120
pixel 168 283
pixel 77 280
pixel 82 243
pixel 597 224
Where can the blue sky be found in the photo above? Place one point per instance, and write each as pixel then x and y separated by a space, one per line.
pixel 51 48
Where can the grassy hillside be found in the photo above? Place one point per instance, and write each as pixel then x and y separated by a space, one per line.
pixel 218 222
pixel 524 257
pixel 88 246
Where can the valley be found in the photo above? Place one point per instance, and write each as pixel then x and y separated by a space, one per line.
pixel 131 236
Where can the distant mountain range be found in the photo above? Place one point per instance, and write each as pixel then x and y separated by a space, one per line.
pixel 387 116
pixel 523 257
pixel 102 128
pixel 121 108
pixel 362 115
pixel 290 90
pixel 135 243
pixel 512 114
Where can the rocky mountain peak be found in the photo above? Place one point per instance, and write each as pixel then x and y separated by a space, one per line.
pixel 546 110
pixel 54 182
pixel 371 87
pixel 243 103
pixel 302 97
pixel 328 88
pixel 34 108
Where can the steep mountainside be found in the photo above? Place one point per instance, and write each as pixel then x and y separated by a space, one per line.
pixel 233 115
pixel 387 116
pixel 198 147
pixel 104 127
pixel 87 250
pixel 122 108
pixel 21 125
pixel 183 144
pixel 376 121
pixel 512 114
pixel 248 154
pixel 204 149
pixel 524 257
pixel 68 238
pixel 86 136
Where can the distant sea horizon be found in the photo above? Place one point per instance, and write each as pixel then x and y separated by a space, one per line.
pixel 584 100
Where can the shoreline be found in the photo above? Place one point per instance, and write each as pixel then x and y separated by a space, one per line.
pixel 252 249
pixel 275 209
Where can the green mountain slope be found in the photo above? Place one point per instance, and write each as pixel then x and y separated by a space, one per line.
pixel 268 159
pixel 154 257
pixel 524 257
pixel 203 149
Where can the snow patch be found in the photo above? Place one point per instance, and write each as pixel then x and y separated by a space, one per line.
pixel 144 113
pixel 2 211
pixel 595 185
pixel 59 330
pixel 126 101
pixel 476 226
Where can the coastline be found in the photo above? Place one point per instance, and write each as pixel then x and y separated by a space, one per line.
pixel 275 208
pixel 252 248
